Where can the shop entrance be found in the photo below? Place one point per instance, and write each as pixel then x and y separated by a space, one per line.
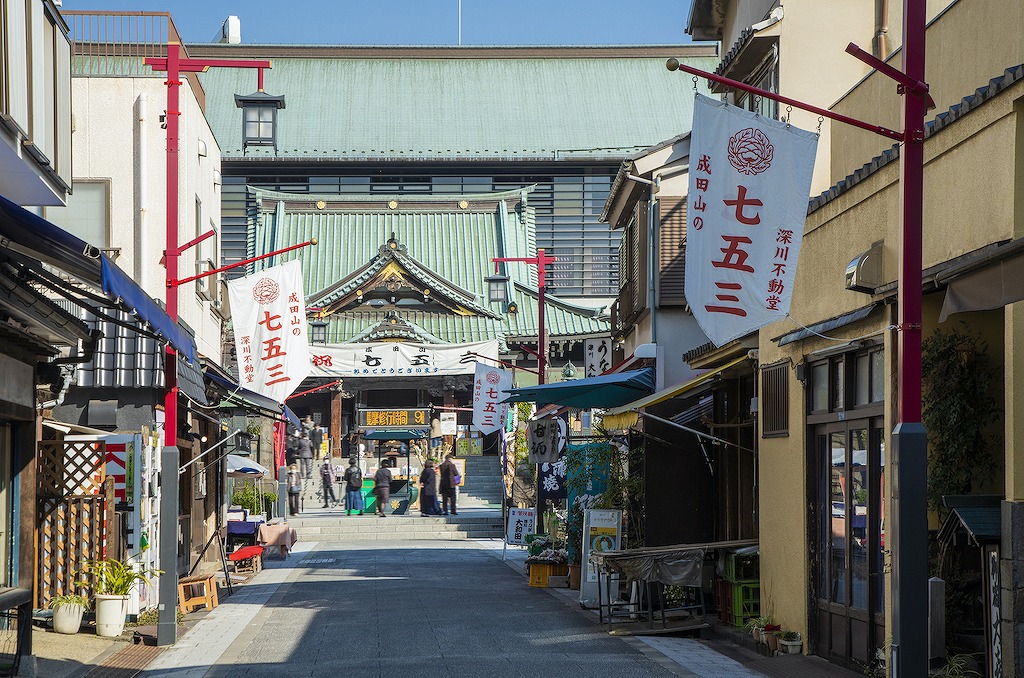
pixel 849 623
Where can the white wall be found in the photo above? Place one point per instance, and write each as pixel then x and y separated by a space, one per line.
pixel 107 147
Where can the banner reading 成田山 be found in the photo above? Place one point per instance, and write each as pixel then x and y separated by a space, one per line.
pixel 490 387
pixel 268 311
pixel 750 178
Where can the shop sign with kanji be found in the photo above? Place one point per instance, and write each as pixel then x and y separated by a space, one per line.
pixel 598 356
pixel 750 178
pixel 490 388
pixel 268 311
pixel 396 359
pixel 545 440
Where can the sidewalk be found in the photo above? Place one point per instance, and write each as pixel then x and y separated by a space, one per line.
pixel 724 655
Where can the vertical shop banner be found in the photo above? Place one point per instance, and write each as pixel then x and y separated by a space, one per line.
pixel 268 310
pixel 750 179
pixel 598 356
pixel 490 387
pixel 545 440
pixel 553 480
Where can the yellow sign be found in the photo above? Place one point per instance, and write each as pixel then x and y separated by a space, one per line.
pixel 396 418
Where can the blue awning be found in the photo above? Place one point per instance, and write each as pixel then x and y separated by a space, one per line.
pixel 243 397
pixel 606 390
pixel 31 235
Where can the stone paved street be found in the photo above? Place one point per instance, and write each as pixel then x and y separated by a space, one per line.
pixel 410 609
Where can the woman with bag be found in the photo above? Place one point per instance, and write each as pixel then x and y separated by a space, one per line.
pixel 294 489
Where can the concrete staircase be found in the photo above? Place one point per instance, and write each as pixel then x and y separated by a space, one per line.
pixel 336 527
pixel 482 486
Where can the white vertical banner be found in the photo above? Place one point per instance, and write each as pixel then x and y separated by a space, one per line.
pixel 490 387
pixel 598 356
pixel 750 180
pixel 268 311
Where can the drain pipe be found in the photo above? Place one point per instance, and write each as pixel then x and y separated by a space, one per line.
pixel 141 195
pixel 653 257
pixel 880 44
pixel 86 350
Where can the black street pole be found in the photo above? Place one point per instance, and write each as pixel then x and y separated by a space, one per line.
pixel 166 630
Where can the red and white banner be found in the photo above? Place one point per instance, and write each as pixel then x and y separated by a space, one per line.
pixel 268 310
pixel 490 387
pixel 750 179
pixel 399 359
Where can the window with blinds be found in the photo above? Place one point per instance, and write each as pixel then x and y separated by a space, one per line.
pixel 671 251
pixel 774 401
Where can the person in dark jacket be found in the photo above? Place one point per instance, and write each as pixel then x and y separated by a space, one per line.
pixel 316 436
pixel 428 489
pixel 306 456
pixel 448 484
pixel 382 488
pixel 327 479
pixel 353 487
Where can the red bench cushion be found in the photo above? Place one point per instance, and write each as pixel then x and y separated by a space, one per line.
pixel 246 552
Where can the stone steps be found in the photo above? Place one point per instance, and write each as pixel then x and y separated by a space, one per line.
pixel 401 528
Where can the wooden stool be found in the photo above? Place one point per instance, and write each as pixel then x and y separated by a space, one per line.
pixel 248 559
pixel 197 591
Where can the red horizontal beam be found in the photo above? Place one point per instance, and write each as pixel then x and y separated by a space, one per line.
pixel 177 283
pixel 201 65
pixel 674 65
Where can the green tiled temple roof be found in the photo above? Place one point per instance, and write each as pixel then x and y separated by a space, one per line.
pixel 451 104
pixel 454 243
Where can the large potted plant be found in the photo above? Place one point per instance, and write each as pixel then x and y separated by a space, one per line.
pixel 67 612
pixel 112 582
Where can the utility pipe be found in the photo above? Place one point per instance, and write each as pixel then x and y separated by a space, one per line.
pixel 141 188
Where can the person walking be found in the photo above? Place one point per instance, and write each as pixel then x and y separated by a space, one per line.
pixel 294 480
pixel 291 450
pixel 428 489
pixel 306 456
pixel 354 487
pixel 382 488
pixel 449 483
pixel 316 437
pixel 327 479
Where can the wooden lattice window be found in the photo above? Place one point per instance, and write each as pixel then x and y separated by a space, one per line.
pixel 774 402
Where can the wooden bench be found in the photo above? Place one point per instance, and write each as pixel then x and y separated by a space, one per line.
pixel 197 591
pixel 248 559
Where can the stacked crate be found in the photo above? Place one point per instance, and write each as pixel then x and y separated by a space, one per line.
pixel 739 590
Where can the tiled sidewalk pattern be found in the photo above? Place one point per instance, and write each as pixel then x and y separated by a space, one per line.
pixel 200 648
pixel 699 658
pixel 125 663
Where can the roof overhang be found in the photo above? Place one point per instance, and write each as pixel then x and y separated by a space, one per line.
pixel 754 51
pixel 707 19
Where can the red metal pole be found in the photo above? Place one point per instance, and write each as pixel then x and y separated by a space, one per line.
pixel 171 232
pixel 221 269
pixel 542 352
pixel 909 505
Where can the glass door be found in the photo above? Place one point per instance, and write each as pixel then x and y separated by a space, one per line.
pixel 848 533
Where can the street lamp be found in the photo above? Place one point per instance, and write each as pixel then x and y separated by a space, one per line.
pixel 497 288
pixel 318 331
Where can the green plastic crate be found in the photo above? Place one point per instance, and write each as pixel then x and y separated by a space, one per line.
pixel 742 568
pixel 746 601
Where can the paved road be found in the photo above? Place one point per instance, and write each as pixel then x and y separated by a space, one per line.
pixel 436 609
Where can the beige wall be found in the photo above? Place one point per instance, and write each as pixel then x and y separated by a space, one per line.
pixel 967 164
pixel 968 44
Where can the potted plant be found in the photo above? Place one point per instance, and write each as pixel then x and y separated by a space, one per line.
pixel 754 625
pixel 771 637
pixel 112 581
pixel 790 643
pixel 67 612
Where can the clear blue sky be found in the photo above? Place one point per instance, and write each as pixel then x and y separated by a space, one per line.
pixel 423 22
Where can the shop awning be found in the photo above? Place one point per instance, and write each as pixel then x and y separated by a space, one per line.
pixel 672 391
pixel 31 235
pixel 397 434
pixel 995 286
pixel 240 467
pixel 243 397
pixel 606 390
pixel 817 329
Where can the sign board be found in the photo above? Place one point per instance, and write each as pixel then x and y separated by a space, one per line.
pixel 490 387
pixel 553 480
pixel 598 356
pixel 398 358
pixel 602 531
pixel 746 206
pixel 416 418
pixel 520 524
pixel 545 439
pixel 449 423
pixel 268 312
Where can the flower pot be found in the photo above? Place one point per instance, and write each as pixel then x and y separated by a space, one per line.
pixel 790 646
pixel 110 613
pixel 755 633
pixel 772 640
pixel 575 575
pixel 67 618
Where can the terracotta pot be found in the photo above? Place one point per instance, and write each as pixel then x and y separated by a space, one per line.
pixel 575 576
pixel 772 640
